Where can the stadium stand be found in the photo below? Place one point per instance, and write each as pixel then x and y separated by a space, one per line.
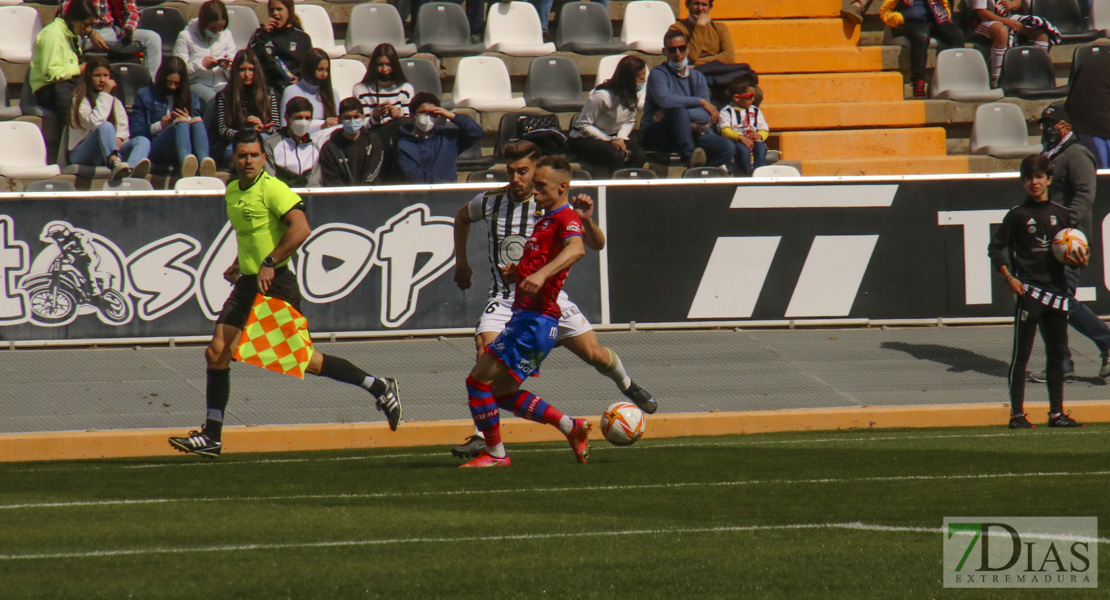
pixel 482 83
pixel 634 174
pixel 1067 17
pixel 703 173
pixel 645 22
pixel 374 23
pixel 585 28
pixel 961 75
pixel 488 176
pixel 513 28
pixel 1028 72
pixel 1100 16
pixel 199 183
pixel 166 21
pixel 1000 130
pixel 554 84
pixel 442 29
pixel 128 184
pixel 317 24
pixel 776 171
pixel 49 186
pixel 1082 54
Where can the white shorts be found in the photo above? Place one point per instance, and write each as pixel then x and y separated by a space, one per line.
pixel 572 323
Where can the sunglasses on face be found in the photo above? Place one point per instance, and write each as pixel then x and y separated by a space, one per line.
pixel 674 49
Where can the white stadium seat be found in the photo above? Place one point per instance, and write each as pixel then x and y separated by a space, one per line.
pixel 1000 130
pixel 317 24
pixel 514 28
pixel 345 73
pixel 200 183
pixel 482 83
pixel 23 153
pixel 18 27
pixel 645 22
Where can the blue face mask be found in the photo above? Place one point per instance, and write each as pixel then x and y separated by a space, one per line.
pixel 679 66
pixel 640 86
pixel 352 126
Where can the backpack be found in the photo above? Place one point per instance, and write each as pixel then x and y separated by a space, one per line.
pixel 543 131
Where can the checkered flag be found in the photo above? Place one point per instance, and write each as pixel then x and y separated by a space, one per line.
pixel 276 338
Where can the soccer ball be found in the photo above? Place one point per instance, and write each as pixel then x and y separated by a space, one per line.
pixel 623 423
pixel 1068 245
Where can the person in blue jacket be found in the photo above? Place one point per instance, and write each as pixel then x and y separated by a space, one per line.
pixel 170 115
pixel 427 149
pixel 678 116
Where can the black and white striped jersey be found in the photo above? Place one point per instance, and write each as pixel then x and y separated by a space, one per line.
pixel 510 225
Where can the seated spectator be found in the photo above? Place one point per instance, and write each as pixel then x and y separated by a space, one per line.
pixel 315 86
pixel 678 117
pixel 55 58
pixel 384 91
pixel 291 155
pixel 353 155
pixel 920 20
pixel 281 44
pixel 117 30
pixel 711 50
pixel 207 47
pixel 427 151
pixel 744 124
pixel 169 114
pixel 246 103
pixel 1087 101
pixel 99 134
pixel 852 11
pixel 601 136
pixel 996 21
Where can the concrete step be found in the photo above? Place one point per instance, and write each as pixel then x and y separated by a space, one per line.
pixel 831 87
pixel 772 9
pixel 917 165
pixel 792 33
pixel 861 144
pixel 834 59
pixel 845 115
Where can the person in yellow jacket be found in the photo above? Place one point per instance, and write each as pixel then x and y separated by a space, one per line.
pixel 56 58
pixel 920 20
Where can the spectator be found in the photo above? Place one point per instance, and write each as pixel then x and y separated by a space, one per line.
pixel 281 44
pixel 116 30
pixel 852 11
pixel 744 124
pixel 291 156
pixel 353 155
pixel 920 20
pixel 55 59
pixel 246 103
pixel 169 114
pixel 98 129
pixel 207 47
pixel 384 91
pixel 678 116
pixel 602 134
pixel 427 151
pixel 996 21
pixel 1087 101
pixel 711 50
pixel 315 85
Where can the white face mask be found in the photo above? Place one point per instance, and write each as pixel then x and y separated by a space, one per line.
pixel 299 128
pixel 424 123
pixel 210 35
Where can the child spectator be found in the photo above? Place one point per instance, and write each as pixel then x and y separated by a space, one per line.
pixel 207 47
pixel 743 123
pixel 291 156
pixel 280 44
pixel 169 114
pixel 353 155
pixel 384 91
pixel 602 134
pixel 98 128
pixel 920 20
pixel 1020 251
pixel 427 151
pixel 56 57
pixel 315 86
pixel 996 21
pixel 246 103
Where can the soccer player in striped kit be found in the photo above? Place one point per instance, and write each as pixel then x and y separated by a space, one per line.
pixel 1021 250
pixel 512 213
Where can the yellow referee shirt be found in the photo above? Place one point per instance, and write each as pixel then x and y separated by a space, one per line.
pixel 256 214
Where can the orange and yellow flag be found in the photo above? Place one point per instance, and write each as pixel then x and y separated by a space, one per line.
pixel 276 338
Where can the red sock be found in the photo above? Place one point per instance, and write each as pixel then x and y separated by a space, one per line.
pixel 483 409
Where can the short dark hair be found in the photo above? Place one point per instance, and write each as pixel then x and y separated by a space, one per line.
pixel 520 150
pixel 739 86
pixel 211 12
pixel 557 162
pixel 349 104
pixel 246 136
pixel 1035 164
pixel 297 104
pixel 672 34
pixel 81 11
pixel 422 98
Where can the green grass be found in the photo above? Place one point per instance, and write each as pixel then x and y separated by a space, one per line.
pixel 677 518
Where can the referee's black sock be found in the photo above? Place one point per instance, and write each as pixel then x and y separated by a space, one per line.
pixel 341 369
pixel 217 394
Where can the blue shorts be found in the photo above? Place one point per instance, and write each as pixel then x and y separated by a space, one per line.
pixel 524 343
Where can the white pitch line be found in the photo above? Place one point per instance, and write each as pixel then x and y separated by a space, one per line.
pixel 855 526
pixel 545 490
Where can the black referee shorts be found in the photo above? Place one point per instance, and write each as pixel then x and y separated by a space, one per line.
pixel 237 307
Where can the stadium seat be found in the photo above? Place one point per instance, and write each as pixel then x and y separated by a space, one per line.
pixel 83 171
pixel 634 174
pixel 1100 16
pixel 776 171
pixel 585 28
pixel 580 175
pixel 961 75
pixel 889 39
pixel 443 29
pixel 345 73
pixel 423 74
pixel 472 158
pixel 482 83
pixel 10 2
pixel 1000 130
pixel 200 183
pixel 166 21
pixel 49 186
pixel 243 22
pixel 513 28
pixel 28 106
pixel 506 129
pixel 23 153
pixel 703 173
pixel 645 22
pixel 128 184
pixel 488 176
pixel 375 23
pixel 130 78
pixel 1082 54
pixel 7 112
pixel 605 69
pixel 317 24
pixel 1028 73
pixel 554 84
pixel 196 2
pixel 18 27
pixel 1067 17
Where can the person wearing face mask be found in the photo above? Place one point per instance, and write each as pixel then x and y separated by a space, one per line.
pixel 601 136
pixel 315 86
pixel 353 155
pixel 206 46
pixel 384 92
pixel 1073 186
pixel 678 116
pixel 427 150
pixel 170 115
pixel 56 57
pixel 281 44
pixel 711 50
pixel 292 156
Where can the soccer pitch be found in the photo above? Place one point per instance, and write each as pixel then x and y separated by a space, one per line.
pixel 847 514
